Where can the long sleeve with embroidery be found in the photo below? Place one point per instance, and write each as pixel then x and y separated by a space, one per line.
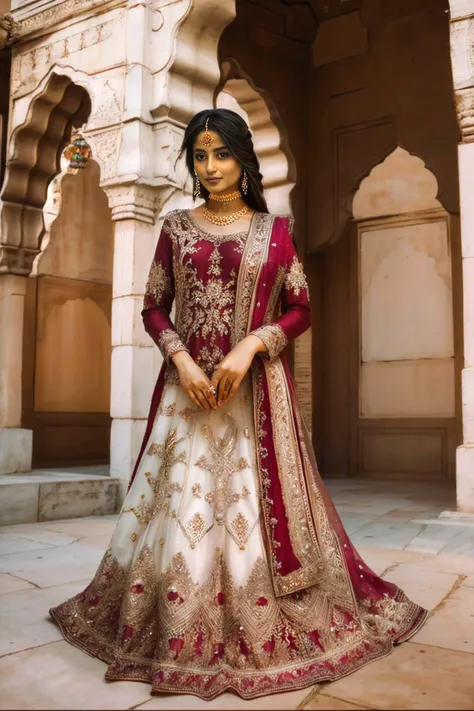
pixel 295 316
pixel 159 296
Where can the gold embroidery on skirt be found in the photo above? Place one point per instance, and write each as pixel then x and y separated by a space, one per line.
pixel 141 624
pixel 196 490
pixel 168 410
pixel 222 467
pixel 161 486
pixel 187 413
pixel 195 530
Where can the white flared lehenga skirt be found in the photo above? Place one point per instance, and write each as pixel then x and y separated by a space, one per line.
pixel 183 598
pixel 195 491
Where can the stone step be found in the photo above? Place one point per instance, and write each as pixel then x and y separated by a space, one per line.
pixel 49 495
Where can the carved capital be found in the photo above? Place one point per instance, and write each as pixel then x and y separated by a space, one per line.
pixel 9 29
pixel 105 149
pixel 139 201
pixel 465 113
pixel 16 260
pixel 132 201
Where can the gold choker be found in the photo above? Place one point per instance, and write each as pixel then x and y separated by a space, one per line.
pixel 226 198
pixel 223 219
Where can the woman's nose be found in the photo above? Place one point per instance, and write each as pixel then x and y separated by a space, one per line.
pixel 210 167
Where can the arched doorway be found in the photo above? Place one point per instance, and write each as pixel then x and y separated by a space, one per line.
pixel 392 331
pixel 68 326
pixel 237 92
pixel 55 324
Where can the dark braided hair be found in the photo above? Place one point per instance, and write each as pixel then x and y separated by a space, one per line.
pixel 238 140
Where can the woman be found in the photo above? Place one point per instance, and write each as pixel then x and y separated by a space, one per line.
pixel 229 567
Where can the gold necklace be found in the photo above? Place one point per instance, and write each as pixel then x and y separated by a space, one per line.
pixel 226 198
pixel 223 219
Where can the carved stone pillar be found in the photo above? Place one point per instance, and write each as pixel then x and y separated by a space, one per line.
pixel 16 444
pixel 462 55
pixel 135 359
pixel 132 74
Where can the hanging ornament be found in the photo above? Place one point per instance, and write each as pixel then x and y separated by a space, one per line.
pixel 78 152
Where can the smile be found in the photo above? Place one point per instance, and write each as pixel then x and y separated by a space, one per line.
pixel 213 180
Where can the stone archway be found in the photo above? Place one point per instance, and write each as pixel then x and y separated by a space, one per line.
pixel 237 91
pixel 395 369
pixel 33 160
pixel 66 368
pixel 33 157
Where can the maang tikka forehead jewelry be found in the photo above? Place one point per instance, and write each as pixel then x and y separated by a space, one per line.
pixel 207 138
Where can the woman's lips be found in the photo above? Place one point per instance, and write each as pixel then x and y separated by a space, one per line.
pixel 212 180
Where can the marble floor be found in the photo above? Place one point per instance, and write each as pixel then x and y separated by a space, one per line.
pixel 395 526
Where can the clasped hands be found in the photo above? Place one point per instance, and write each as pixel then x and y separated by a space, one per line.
pixel 209 394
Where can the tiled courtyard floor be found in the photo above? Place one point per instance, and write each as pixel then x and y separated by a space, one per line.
pixel 394 526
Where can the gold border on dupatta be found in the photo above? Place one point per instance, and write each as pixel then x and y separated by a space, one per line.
pixel 253 259
pixel 291 474
pixel 336 581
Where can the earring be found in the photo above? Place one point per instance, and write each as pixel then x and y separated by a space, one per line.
pixel 245 183
pixel 197 187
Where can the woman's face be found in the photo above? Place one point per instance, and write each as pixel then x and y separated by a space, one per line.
pixel 215 165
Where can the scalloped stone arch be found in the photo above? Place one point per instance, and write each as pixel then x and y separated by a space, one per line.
pixel 400 184
pixel 237 91
pixel 194 71
pixel 58 105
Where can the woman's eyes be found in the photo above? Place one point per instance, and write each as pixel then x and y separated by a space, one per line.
pixel 222 156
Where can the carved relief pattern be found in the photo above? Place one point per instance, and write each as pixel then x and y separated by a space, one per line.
pixel 108 110
pixel 470 45
pixel 29 67
pixel 462 54
pixel 465 113
pixel 57 13
pixel 107 145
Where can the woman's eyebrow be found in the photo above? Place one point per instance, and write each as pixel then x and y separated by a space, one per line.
pixel 214 150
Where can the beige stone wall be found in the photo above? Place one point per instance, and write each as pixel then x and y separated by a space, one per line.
pixel 79 242
pixel 405 293
pixel 391 356
pixel 462 33
pixel 367 97
pixel 73 307
pixel 406 313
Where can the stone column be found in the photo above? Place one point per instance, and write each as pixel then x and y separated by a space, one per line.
pixel 465 453
pixel 172 71
pixel 16 444
pixel 135 359
pixel 462 56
